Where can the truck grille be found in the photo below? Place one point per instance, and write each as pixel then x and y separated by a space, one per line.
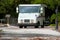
pixel 26 20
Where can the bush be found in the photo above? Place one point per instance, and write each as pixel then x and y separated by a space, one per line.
pixel 53 17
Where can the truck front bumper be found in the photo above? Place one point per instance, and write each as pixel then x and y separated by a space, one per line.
pixel 30 24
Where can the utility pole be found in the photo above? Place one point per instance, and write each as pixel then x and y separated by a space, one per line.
pixel 56 21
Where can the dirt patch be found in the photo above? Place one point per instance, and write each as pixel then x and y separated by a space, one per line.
pixel 35 38
pixel 45 38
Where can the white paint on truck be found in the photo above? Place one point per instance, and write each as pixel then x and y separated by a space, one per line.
pixel 32 16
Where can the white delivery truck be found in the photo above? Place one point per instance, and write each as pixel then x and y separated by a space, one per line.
pixel 31 15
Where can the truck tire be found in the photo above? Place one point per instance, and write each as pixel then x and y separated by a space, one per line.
pixel 20 26
pixel 36 26
pixel 25 26
pixel 42 26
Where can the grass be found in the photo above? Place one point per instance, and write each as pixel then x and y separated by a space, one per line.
pixel 0 30
pixel 59 24
pixel 55 24
pixel 52 24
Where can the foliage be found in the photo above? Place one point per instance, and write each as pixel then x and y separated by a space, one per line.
pixel 53 17
pixel 9 6
pixel 52 25
pixel 59 17
pixel 50 3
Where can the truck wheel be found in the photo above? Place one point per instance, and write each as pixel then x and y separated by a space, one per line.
pixel 25 26
pixel 20 26
pixel 36 26
pixel 42 26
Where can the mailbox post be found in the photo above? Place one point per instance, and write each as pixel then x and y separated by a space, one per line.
pixel 7 16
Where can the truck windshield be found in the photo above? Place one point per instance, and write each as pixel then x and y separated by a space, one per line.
pixel 29 9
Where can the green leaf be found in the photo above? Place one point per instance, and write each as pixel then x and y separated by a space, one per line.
pixel 53 17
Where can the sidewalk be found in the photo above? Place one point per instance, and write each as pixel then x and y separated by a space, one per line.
pixel 3 25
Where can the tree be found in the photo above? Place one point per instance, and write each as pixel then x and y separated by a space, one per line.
pixel 50 3
pixel 9 6
pixel 53 17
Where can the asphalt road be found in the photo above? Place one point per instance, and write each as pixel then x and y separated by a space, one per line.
pixel 11 32
pixel 24 33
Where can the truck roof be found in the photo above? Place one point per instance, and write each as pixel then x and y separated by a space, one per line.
pixel 29 4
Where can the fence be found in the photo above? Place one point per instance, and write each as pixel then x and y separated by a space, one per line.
pixel 12 21
pixel 2 21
